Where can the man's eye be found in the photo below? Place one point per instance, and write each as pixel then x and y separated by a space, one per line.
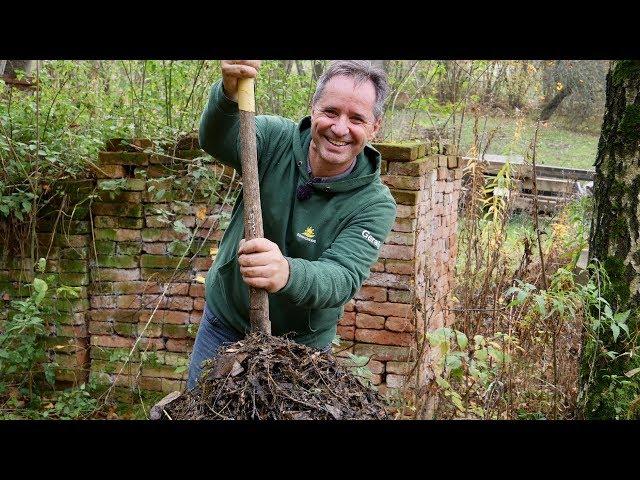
pixel 357 121
pixel 330 113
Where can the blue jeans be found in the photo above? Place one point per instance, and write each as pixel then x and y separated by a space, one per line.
pixel 211 335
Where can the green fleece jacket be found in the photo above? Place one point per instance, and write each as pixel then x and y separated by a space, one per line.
pixel 330 240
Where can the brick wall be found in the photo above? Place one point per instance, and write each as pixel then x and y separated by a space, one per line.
pixel 141 274
pixel 409 288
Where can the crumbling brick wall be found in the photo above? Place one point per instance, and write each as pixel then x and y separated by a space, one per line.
pixel 409 289
pixel 140 248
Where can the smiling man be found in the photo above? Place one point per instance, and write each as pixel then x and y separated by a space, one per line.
pixel 325 211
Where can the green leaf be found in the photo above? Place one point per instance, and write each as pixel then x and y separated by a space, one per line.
pixel 620 318
pixel 40 287
pixel 453 362
pixel 180 227
pixel 462 339
pixel 616 331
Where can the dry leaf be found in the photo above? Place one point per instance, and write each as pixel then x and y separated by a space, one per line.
pixel 201 213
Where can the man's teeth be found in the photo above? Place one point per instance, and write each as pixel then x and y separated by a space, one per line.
pixel 336 143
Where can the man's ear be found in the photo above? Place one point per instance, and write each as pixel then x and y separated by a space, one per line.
pixel 376 129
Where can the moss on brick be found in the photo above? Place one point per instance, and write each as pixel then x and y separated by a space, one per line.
pixel 129 248
pixel 117 261
pixel 74 279
pixel 162 261
pixel 118 209
pixel 105 234
pixel 75 266
pixel 105 247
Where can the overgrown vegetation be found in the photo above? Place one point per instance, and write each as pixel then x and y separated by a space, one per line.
pixel 522 316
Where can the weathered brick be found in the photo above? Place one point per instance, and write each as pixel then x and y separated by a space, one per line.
pixel 150 330
pixel 105 247
pixel 404 224
pixel 416 168
pixel 398 324
pixel 400 238
pixel 179 345
pixel 203 263
pixel 399 151
pixel 111 341
pixel 405 267
pixel 399 368
pixel 400 252
pixel 393 280
pixel 376 294
pixel 129 301
pixel 198 303
pixel 103 301
pixel 375 367
pixel 100 328
pixel 118 209
pixel 349 306
pixel 74 279
pixel 117 261
pixel 162 235
pixel 114 274
pixel 346 332
pixel 168 275
pixel 174 331
pixel 108 171
pixel 163 371
pixel 126 329
pixel 164 316
pixel 118 315
pixel 403 182
pixel 406 211
pixel 348 319
pixel 150 383
pixel 383 337
pixel 123 158
pixel 384 353
pixel 117 222
pixel 119 234
pixel 369 321
pixel 196 290
pixel 155 248
pixel 163 261
pixel 385 309
pixel 111 196
pixel 398 381
pixel 406 197
pixel 73 266
pixel 71 318
pixel 378 266
pixel 77 331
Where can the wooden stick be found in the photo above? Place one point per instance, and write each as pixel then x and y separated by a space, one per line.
pixel 258 299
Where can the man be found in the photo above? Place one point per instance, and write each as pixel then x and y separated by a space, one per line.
pixel 325 211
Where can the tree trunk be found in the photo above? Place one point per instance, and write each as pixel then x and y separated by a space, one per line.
pixel 615 242
pixel 554 103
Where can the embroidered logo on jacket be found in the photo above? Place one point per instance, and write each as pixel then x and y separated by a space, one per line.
pixel 370 239
pixel 308 235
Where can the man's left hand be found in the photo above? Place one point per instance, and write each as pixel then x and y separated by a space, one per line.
pixel 262 265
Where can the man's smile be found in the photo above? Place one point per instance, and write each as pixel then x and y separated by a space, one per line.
pixel 337 143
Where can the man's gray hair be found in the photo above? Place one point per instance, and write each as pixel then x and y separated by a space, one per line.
pixel 360 71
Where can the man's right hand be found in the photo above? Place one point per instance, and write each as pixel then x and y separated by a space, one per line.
pixel 232 70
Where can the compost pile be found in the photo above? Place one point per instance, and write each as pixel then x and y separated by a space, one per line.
pixel 272 378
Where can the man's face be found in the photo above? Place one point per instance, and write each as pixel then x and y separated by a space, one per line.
pixel 342 122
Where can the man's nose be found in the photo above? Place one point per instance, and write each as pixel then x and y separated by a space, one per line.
pixel 340 127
